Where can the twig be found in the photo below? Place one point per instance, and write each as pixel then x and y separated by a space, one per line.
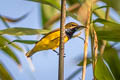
pixel 62 34
pixel 104 41
pixel 86 41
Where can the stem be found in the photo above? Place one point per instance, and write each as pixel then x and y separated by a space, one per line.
pixel 92 48
pixel 86 42
pixel 104 41
pixel 62 34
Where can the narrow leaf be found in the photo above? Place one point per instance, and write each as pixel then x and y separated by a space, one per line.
pixel 17 31
pixel 7 50
pixel 6 41
pixel 4 75
pixel 13 20
pixel 24 41
pixel 89 61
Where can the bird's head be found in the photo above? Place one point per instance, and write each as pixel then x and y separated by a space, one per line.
pixel 72 25
pixel 71 28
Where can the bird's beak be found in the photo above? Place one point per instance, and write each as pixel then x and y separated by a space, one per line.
pixel 81 27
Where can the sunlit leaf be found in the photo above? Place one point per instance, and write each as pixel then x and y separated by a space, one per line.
pixel 101 71
pixel 23 31
pixel 112 58
pixel 4 75
pixel 24 41
pixel 52 3
pixel 110 32
pixel 6 41
pixel 7 50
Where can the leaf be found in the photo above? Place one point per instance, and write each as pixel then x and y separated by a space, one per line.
pixel 115 4
pixel 110 32
pixel 6 41
pixel 4 75
pixel 24 41
pixel 17 31
pixel 7 50
pixel 52 3
pixel 71 2
pixel 47 13
pixel 100 12
pixel 112 58
pixel 102 72
pixel 13 20
pixel 89 61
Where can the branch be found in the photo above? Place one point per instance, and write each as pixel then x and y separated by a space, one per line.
pixel 86 40
pixel 62 34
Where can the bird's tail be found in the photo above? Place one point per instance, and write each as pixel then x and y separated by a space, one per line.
pixel 30 53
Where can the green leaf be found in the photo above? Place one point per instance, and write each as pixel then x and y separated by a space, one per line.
pixel 102 72
pixel 89 61
pixel 7 50
pixel 17 31
pixel 4 75
pixel 52 3
pixel 13 20
pixel 115 4
pixel 100 12
pixel 24 41
pixel 110 32
pixel 47 13
pixel 71 2
pixel 112 58
pixel 6 41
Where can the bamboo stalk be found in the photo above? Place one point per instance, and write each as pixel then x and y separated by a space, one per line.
pixel 104 41
pixel 62 34
pixel 86 42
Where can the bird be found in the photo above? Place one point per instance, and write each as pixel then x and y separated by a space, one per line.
pixel 52 39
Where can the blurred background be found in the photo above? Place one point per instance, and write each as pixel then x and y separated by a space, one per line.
pixel 38 14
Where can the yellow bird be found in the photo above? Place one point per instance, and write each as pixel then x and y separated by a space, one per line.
pixel 52 39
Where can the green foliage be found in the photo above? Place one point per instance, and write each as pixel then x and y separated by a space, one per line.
pixel 53 3
pixel 5 48
pixel 107 67
pixel 115 4
pixel 109 32
pixel 4 75
pixel 112 58
pixel 23 31
pixel 102 72
pixel 89 61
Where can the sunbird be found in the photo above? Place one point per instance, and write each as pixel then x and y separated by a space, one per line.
pixel 52 39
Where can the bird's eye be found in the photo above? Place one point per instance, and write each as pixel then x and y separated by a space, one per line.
pixel 72 25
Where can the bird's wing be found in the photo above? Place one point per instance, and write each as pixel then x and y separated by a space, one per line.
pixel 49 34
